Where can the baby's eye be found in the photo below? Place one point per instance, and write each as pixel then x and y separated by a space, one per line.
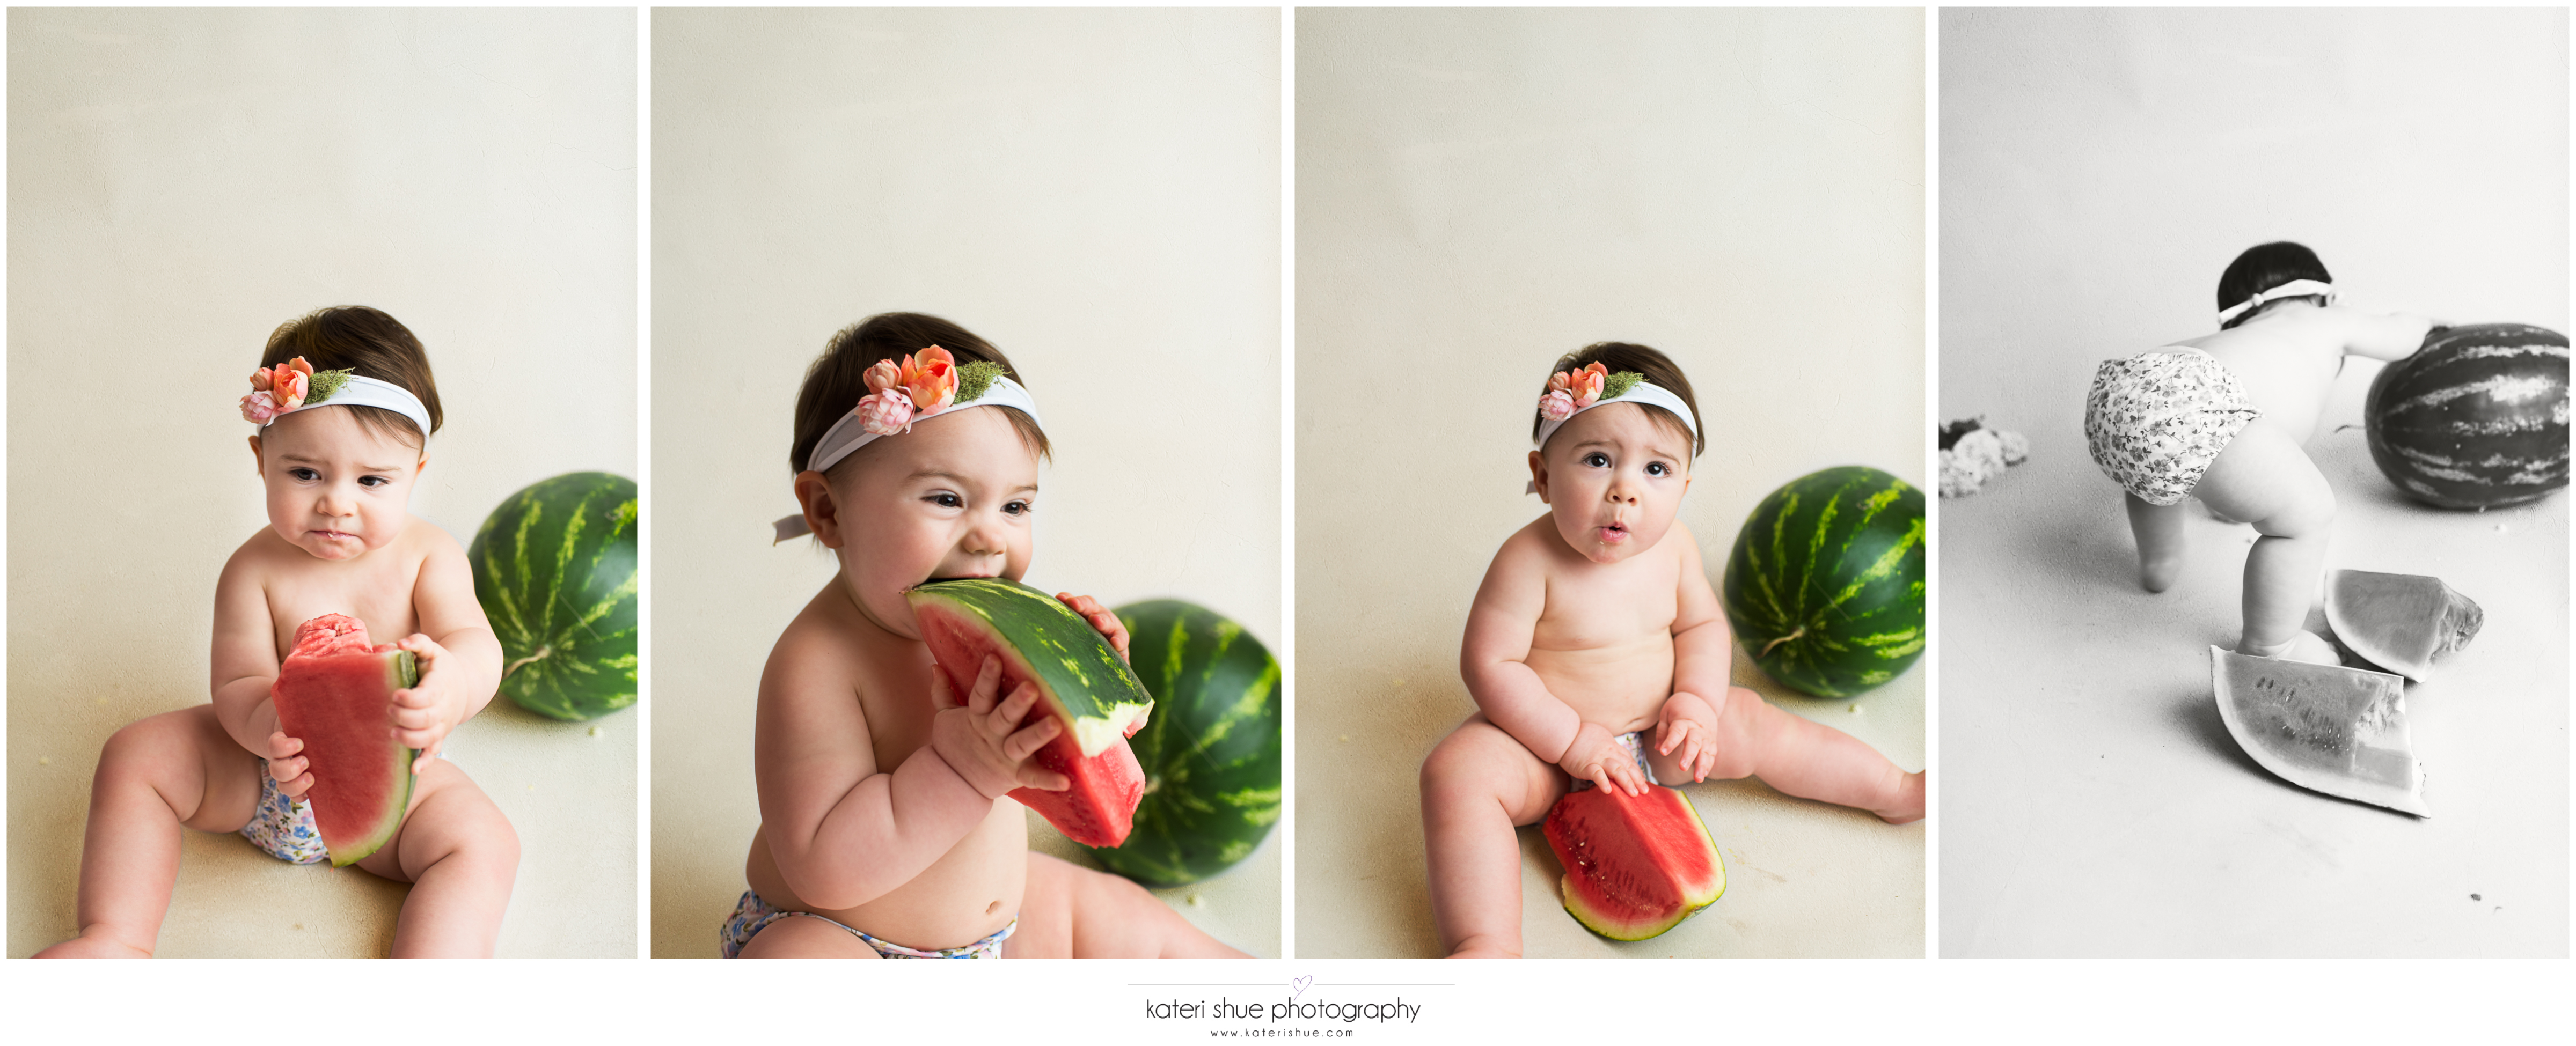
pixel 302 475
pixel 1596 459
pixel 1657 468
pixel 1018 508
pixel 373 481
pixel 945 499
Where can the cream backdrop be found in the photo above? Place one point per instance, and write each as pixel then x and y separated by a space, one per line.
pixel 2098 171
pixel 181 182
pixel 1095 192
pixel 1480 192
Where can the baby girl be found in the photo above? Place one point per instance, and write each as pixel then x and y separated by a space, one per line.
pixel 885 828
pixel 1595 624
pixel 2222 418
pixel 340 540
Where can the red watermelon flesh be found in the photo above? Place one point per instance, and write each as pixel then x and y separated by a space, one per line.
pixel 2476 418
pixel 1099 807
pixel 1635 866
pixel 336 694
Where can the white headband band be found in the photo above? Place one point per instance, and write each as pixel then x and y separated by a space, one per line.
pixel 847 435
pixel 2292 289
pixel 1643 394
pixel 360 391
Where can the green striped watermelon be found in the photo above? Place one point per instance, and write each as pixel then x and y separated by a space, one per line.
pixel 2476 418
pixel 1825 586
pixel 554 567
pixel 1080 681
pixel 1211 753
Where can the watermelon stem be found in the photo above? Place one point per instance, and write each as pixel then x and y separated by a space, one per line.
pixel 542 653
pixel 1766 647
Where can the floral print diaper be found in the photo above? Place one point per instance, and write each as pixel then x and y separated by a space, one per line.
pixel 2156 422
pixel 284 827
pixel 1635 743
pixel 751 915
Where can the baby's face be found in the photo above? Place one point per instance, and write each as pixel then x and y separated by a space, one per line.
pixel 336 489
pixel 1612 480
pixel 952 498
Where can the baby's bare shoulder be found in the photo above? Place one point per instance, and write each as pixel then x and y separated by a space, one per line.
pixel 816 654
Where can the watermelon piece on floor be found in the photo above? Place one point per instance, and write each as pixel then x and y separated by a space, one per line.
pixel 2400 622
pixel 336 694
pixel 1080 680
pixel 2341 731
pixel 1635 866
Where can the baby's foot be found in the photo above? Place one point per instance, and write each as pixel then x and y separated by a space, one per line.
pixel 1908 807
pixel 2302 646
pixel 2158 574
pixel 93 947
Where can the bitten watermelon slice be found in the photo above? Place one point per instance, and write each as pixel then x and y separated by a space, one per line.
pixel 336 694
pixel 1080 680
pixel 2400 622
pixel 1635 866
pixel 2341 731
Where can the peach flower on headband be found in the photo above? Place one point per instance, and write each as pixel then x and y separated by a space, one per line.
pixel 1570 391
pixel 930 379
pixel 276 390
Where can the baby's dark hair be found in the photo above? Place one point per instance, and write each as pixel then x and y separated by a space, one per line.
pixel 2264 267
pixel 371 343
pixel 839 376
pixel 1616 356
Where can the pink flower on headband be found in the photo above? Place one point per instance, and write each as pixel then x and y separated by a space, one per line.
pixel 276 390
pixel 1570 391
pixel 1557 405
pixel 883 375
pixel 930 379
pixel 885 413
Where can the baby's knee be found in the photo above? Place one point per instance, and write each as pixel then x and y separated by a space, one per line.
pixel 1458 760
pixel 2310 512
pixel 149 744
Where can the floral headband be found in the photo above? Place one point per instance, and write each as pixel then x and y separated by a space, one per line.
pixel 925 383
pixel 1572 392
pixel 294 385
pixel 2292 289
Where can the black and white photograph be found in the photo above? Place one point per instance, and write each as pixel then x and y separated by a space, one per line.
pixel 2253 536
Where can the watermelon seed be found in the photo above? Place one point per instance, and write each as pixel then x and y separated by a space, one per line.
pixel 42 761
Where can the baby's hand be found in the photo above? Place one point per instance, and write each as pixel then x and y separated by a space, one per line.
pixel 1689 726
pixel 425 712
pixel 287 767
pixel 1596 756
pixel 982 740
pixel 1100 618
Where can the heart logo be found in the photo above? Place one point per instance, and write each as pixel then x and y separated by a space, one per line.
pixel 1298 987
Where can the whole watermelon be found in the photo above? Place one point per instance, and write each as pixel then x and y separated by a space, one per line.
pixel 2476 418
pixel 1825 586
pixel 554 567
pixel 1210 750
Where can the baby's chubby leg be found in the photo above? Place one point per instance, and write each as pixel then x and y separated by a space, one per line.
pixel 2159 530
pixel 1805 759
pixel 1077 913
pixel 2264 478
pixel 461 857
pixel 1477 785
pixel 155 775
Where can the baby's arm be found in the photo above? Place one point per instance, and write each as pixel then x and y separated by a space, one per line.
pixel 2393 336
pixel 1493 660
pixel 843 833
pixel 244 668
pixel 460 658
pixel 1703 655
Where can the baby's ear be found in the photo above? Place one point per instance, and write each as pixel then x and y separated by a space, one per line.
pixel 1538 476
pixel 822 514
pixel 257 466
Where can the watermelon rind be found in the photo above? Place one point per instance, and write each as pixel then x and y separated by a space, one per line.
pixel 555 569
pixel 1211 750
pixel 1824 588
pixel 2400 622
pixel 2326 728
pixel 1635 866
pixel 1080 678
pixel 402 671
pixel 2476 418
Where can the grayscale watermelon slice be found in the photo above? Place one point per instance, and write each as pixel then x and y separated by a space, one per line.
pixel 2400 622
pixel 2341 731
pixel 336 694
pixel 1635 866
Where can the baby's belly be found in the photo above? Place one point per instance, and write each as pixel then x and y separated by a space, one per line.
pixel 971 891
pixel 1621 687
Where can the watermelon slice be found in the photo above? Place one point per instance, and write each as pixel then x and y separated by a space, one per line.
pixel 2400 622
pixel 1635 866
pixel 1080 680
pixel 336 694
pixel 2341 731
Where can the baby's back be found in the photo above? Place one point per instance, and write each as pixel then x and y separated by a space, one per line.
pixel 2287 358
